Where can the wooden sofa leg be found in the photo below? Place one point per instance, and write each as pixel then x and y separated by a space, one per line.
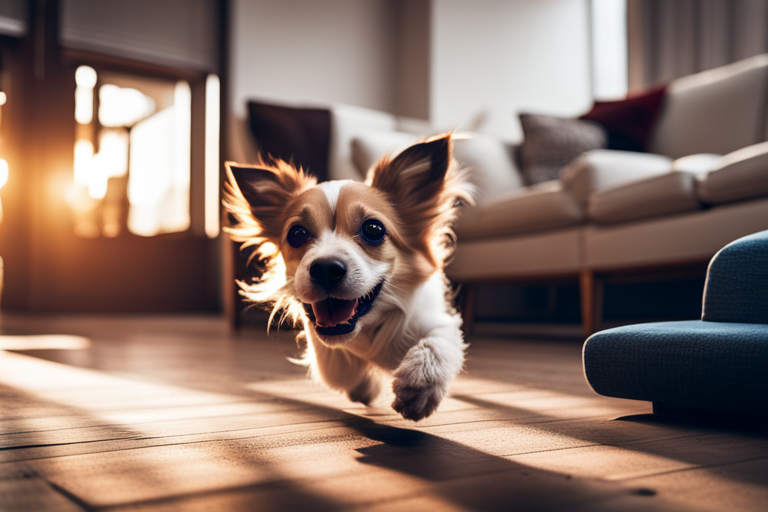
pixel 591 288
pixel 468 307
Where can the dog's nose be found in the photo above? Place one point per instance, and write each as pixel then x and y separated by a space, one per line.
pixel 327 273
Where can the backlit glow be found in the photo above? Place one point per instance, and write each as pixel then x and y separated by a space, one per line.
pixel 85 78
pixel 121 106
pixel 212 123
pixel 83 161
pixel 3 181
pixel 3 98
pixel 159 175
pixel 3 172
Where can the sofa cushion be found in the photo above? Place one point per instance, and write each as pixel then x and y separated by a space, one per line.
pixel 663 194
pixel 716 111
pixel 369 146
pixel 551 143
pixel 599 170
pixel 739 175
pixel 489 161
pixel 629 122
pixel 540 207
pixel 346 123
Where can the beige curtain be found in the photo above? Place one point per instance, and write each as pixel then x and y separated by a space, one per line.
pixel 668 39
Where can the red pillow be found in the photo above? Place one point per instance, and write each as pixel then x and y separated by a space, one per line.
pixel 629 122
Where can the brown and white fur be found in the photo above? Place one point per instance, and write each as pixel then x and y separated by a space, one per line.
pixel 410 329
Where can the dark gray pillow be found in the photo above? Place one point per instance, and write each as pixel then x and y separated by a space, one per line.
pixel 550 143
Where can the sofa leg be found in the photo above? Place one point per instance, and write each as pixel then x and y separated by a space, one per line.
pixel 591 287
pixel 468 307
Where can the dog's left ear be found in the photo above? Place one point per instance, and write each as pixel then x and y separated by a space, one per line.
pixel 424 186
pixel 417 175
pixel 256 195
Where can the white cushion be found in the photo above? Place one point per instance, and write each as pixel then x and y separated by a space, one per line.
pixel 716 111
pixel 664 194
pixel 537 208
pixel 739 175
pixel 602 169
pixel 369 146
pixel 490 163
pixel 346 122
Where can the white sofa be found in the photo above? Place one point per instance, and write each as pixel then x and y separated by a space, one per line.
pixel 703 184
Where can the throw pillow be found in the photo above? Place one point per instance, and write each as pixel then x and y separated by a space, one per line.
pixel 299 134
pixel 629 122
pixel 551 143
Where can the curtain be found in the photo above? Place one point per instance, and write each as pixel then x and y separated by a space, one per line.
pixel 668 39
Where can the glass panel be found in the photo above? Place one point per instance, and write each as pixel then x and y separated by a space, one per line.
pixel 158 183
pixel 132 160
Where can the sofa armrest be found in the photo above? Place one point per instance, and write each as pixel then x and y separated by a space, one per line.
pixel 737 282
pixel 601 169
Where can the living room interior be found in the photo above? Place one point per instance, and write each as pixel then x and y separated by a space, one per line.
pixel 612 277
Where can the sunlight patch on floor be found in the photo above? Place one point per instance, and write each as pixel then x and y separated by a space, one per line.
pixel 45 342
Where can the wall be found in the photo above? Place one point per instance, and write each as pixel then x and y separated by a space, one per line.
pixel 501 57
pixel 445 60
pixel 299 51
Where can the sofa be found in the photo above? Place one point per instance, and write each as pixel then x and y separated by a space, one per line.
pixel 701 183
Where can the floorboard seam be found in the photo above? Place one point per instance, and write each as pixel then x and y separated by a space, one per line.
pixel 77 500
pixel 693 468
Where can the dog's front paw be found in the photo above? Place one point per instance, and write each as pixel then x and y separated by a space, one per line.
pixel 415 403
pixel 420 383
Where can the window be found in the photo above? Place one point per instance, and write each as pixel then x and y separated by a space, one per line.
pixel 132 155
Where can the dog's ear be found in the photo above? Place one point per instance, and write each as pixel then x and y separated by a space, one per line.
pixel 256 195
pixel 416 175
pixel 424 185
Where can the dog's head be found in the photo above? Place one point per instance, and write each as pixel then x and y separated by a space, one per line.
pixel 344 253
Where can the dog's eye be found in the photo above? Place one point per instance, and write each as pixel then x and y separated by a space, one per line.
pixel 297 236
pixel 373 231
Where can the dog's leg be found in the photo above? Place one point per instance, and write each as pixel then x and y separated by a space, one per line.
pixel 426 372
pixel 340 370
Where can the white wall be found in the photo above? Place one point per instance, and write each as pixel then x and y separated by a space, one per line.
pixel 502 57
pixel 494 56
pixel 300 51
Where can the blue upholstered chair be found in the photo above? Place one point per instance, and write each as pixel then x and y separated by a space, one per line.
pixel 719 362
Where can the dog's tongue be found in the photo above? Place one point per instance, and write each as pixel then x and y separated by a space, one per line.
pixel 330 312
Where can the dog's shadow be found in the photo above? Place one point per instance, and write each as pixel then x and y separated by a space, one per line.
pixel 474 479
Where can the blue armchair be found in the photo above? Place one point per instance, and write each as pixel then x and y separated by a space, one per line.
pixel 719 362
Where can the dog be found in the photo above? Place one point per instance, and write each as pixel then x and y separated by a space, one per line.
pixel 360 265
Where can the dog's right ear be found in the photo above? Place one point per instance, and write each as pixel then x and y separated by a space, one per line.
pixel 256 195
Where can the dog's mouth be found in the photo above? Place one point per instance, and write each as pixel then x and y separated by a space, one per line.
pixel 337 316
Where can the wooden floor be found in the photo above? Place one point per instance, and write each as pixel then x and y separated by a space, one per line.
pixel 178 414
